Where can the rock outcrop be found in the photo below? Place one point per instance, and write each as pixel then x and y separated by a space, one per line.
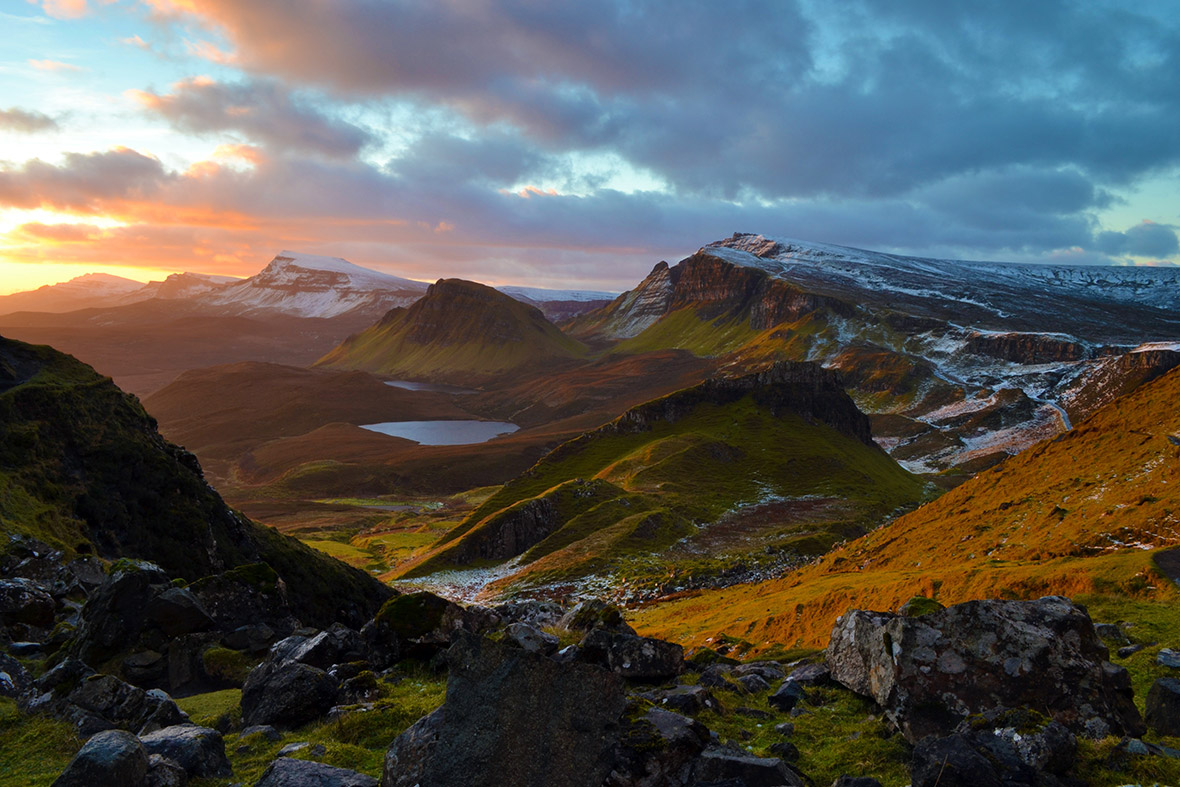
pixel 930 673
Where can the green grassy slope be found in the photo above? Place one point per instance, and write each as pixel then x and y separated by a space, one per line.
pixel 661 471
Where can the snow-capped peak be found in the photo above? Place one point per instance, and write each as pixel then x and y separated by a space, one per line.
pixel 286 260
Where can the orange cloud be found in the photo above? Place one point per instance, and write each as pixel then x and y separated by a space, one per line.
pixel 65 9
pixel 54 65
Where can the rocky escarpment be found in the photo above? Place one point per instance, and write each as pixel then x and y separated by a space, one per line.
pixel 714 288
pixel 1028 348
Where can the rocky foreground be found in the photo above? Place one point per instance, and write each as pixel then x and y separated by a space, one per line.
pixel 983 693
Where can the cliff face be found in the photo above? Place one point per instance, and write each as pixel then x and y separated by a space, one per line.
pixel 1028 348
pixel 712 286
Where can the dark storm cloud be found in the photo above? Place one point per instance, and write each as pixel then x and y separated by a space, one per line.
pixel 1143 240
pixel 25 121
pixel 262 111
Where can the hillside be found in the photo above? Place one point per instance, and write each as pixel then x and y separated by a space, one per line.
pixel 81 292
pixel 83 468
pixel 667 484
pixel 459 332
pixel 1077 514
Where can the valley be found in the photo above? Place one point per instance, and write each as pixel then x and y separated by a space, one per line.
pixel 734 454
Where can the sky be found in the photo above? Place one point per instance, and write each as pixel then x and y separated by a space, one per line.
pixel 577 144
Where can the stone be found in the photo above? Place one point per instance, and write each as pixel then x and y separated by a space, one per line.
pixel 24 601
pixel 856 781
pixel 1163 707
pixel 336 645
pixel 787 696
pixel 199 750
pixel 15 680
pixel 1001 748
pixel 116 613
pixel 537 614
pixel 753 684
pixel 785 728
pixel 93 703
pixel 532 639
pixel 717 677
pixel 292 748
pixel 1168 658
pixel 285 772
pixel 685 699
pixel 816 674
pixel 929 673
pixel 163 772
pixel 287 696
pixel 265 730
pixel 632 656
pixel 412 625
pixel 111 757
pixel 1131 650
pixel 1112 633
pixel 147 667
pixel 244 596
pixel 512 717
pixel 596 614
pixel 733 766
pixel 178 611
pixel 784 750
pixel 660 747
pixel 769 671
pixel 252 638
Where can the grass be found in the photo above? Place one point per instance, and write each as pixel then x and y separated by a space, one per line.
pixel 33 749
pixel 355 556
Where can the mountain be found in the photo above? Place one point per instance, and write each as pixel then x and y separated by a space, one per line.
pixel 776 462
pixel 459 332
pixel 82 292
pixel 306 285
pixel 179 285
pixel 83 468
pixel 1083 512
pixel 961 364
pixel 559 305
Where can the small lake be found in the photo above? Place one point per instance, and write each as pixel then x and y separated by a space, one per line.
pixel 444 432
pixel 409 385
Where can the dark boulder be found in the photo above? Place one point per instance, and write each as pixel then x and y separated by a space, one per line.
pixel 789 694
pixel 538 614
pixel 15 680
pixel 657 748
pixel 1168 658
pixel 513 718
pixel 753 684
pixel 116 613
pixel 286 772
pixel 178 611
pixel 723 765
pixel 414 625
pixel 252 638
pixel 114 757
pixel 931 672
pixel 1163 707
pixel 769 671
pixel 1003 748
pixel 532 639
pixel 199 750
pixel 596 614
pixel 684 699
pixel 337 645
pixel 816 674
pixel 856 781
pixel 24 601
pixel 73 692
pixel 288 695
pixel 163 772
pixel 248 595
pixel 632 656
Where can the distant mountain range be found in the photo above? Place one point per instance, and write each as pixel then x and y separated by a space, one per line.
pixel 292 284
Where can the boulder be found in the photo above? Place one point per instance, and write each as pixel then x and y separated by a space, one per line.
pixel 856 781
pixel 24 601
pixel 407 758
pixel 513 717
pixel 286 772
pixel 249 595
pixel 1163 707
pixel 1168 658
pixel 287 696
pixel 632 656
pixel 538 614
pixel 930 672
pixel 178 611
pixel 111 757
pixel 413 625
pixel 596 614
pixel 816 674
pixel 72 692
pixel 769 671
pixel 724 765
pixel 336 645
pixel 532 639
pixel 1002 747
pixel 753 684
pixel 15 680
pixel 199 750
pixel 787 696
pixel 252 638
pixel 658 748
pixel 163 772
pixel 684 699
pixel 116 613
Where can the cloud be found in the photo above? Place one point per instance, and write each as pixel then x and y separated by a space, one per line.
pixel 25 121
pixel 54 65
pixel 262 111
pixel 1143 240
pixel 64 9
pixel 83 181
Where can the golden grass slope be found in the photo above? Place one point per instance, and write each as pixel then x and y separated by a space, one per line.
pixel 1078 514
